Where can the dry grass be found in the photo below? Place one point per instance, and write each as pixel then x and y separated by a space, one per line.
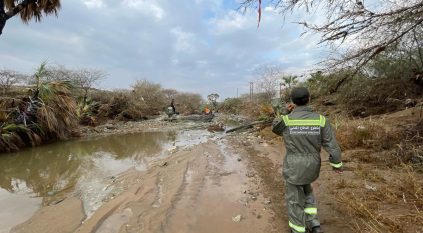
pixel 366 213
pixel 367 173
pixel 384 205
pixel 386 165
pixel 361 133
pixel 342 184
pixel 373 142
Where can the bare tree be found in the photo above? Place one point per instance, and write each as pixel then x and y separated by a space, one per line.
pixel 149 95
pixel 268 79
pixel 85 79
pixel 170 93
pixel 367 28
pixel 28 9
pixel 8 78
pixel 213 100
pixel 61 73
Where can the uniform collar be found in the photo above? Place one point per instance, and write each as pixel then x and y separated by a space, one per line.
pixel 302 108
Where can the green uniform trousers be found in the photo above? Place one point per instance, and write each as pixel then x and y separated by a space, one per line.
pixel 302 209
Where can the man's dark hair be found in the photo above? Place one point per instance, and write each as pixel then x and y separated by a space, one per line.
pixel 300 96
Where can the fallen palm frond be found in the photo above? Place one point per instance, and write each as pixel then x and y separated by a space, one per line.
pixel 10 140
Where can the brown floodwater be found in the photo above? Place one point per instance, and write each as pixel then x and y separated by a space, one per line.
pixel 39 176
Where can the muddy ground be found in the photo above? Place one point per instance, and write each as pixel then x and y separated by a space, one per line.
pixel 231 183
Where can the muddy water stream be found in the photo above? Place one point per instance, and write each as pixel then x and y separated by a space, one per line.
pixel 45 175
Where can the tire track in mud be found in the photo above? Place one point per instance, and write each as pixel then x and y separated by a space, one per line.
pixel 179 216
pixel 210 195
pixel 199 189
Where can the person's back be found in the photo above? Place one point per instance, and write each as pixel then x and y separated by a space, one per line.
pixel 304 132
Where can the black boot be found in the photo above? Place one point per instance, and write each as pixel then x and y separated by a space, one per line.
pixel 316 229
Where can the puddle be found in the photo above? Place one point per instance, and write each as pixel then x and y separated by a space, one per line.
pixel 40 176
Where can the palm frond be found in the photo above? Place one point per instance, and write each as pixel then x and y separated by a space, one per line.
pixel 35 9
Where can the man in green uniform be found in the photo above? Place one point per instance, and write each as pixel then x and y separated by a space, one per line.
pixel 304 133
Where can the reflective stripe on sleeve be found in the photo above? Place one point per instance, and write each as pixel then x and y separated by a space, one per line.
pixel 322 121
pixel 285 120
pixel 297 228
pixel 336 165
pixel 311 210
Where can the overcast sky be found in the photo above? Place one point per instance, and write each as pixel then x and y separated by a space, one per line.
pixel 202 46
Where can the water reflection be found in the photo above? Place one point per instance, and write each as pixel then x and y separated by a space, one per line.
pixel 51 169
pixel 43 175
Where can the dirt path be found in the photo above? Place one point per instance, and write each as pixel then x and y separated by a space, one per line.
pixel 230 184
pixel 265 158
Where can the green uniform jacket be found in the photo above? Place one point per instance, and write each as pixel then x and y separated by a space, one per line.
pixel 305 133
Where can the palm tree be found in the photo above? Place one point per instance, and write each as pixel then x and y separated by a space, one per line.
pixel 58 113
pixel 28 9
pixel 290 81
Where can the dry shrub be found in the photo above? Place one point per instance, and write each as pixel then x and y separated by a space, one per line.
pixel 150 96
pixel 188 103
pixel 402 144
pixel 392 205
pixel 364 96
pixel 360 133
pixel 58 116
pixel 146 99
pixel 266 111
pixel 407 142
pixel 231 105
pixel 121 105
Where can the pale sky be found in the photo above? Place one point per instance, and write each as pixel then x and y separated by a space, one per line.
pixel 201 46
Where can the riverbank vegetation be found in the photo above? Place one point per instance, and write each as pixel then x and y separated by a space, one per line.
pixel 377 115
pixel 53 102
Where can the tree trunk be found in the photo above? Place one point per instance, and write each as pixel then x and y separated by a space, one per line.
pixel 4 16
pixel 419 49
pixel 84 101
pixel 265 122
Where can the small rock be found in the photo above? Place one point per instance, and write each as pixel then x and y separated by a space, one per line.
pixel 329 102
pixel 164 164
pixel 239 159
pixel 410 103
pixel 245 191
pixel 370 187
pixel 360 127
pixel 254 198
pixel 237 218
pixel 249 174
pixel 268 202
